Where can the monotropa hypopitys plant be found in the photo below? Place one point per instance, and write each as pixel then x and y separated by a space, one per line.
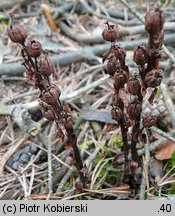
pixel 135 86
pixel 39 68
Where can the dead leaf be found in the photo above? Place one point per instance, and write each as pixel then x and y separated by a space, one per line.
pixel 165 151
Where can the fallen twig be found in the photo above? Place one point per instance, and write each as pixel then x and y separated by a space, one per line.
pixel 164 134
pixel 49 155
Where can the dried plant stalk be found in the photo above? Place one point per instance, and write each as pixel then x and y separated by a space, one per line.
pixel 129 113
pixel 39 67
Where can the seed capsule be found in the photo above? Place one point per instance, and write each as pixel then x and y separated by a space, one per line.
pixel 134 86
pixel 153 78
pixel 149 121
pixel 110 33
pixel 112 67
pixel 51 96
pixel 120 79
pixel 134 110
pixel 46 67
pixel 154 21
pixel 34 49
pixel 17 33
pixel 141 55
pixel 119 53
pixel 55 91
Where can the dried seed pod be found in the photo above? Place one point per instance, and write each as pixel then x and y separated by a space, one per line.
pixel 119 53
pixel 34 49
pixel 117 114
pixel 141 55
pixel 49 115
pixel 134 86
pixel 110 33
pixel 17 33
pixel 134 110
pixel 55 91
pixel 112 66
pixel 149 121
pixel 154 21
pixel 153 78
pixel 47 98
pixel 46 67
pixel 120 79
pixel 51 96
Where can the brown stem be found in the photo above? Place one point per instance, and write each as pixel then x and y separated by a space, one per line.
pixel 125 142
pixel 107 23
pixel 135 133
pixel 72 139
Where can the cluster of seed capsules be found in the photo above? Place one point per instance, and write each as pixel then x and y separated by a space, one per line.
pixel 38 70
pixel 149 75
pixel 39 67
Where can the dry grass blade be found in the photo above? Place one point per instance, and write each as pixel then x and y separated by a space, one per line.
pixel 111 191
pixel 31 181
pixel 97 171
pixel 74 196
